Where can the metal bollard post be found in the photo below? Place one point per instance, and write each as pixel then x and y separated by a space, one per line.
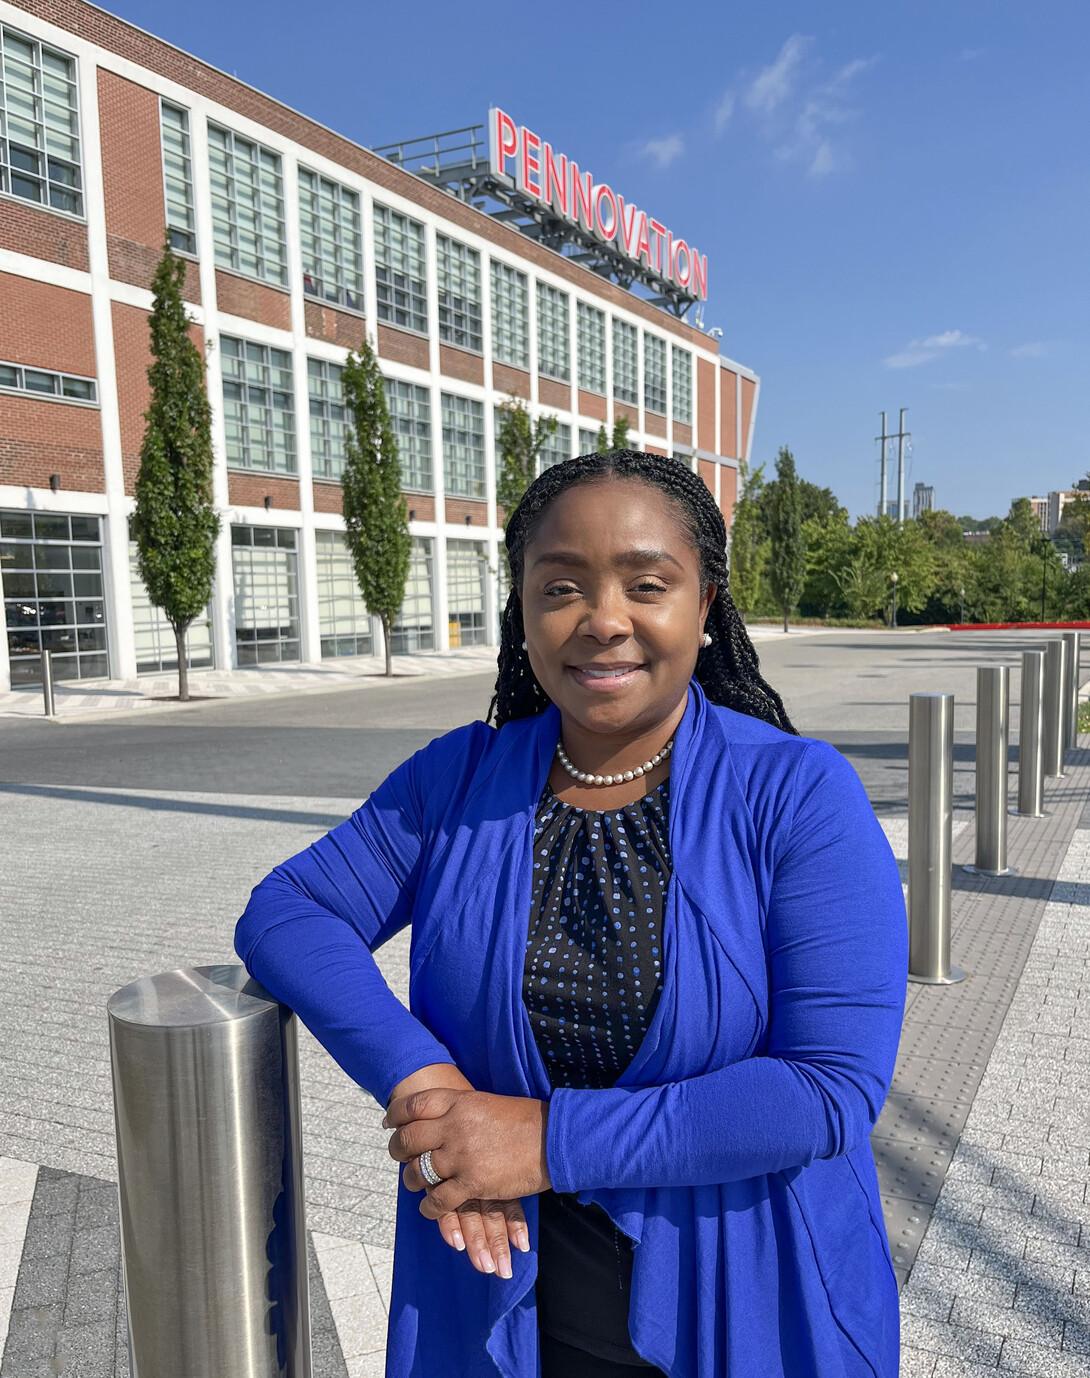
pixel 1073 642
pixel 930 837
pixel 1031 771
pixel 213 1234
pixel 1053 731
pixel 992 749
pixel 47 684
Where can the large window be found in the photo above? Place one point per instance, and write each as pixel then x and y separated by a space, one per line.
pixel 410 412
pixel 401 278
pixel 331 238
pixel 466 569
pixel 590 326
pixel 51 567
pixel 626 362
pixel 557 447
pixel 247 206
pixel 682 366
pixel 43 382
pixel 156 647
pixel 510 316
pixel 343 621
pixel 327 418
pixel 553 338
pixel 588 441
pixel 414 627
pixel 39 124
pixel 266 583
pixel 654 374
pixel 463 447
pixel 458 269
pixel 178 177
pixel 258 408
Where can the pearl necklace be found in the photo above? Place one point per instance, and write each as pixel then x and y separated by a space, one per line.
pixel 587 778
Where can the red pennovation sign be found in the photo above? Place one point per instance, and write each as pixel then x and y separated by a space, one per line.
pixel 558 182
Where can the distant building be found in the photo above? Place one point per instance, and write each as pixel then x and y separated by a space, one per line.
pixel 923 499
pixel 1058 501
pixel 1040 510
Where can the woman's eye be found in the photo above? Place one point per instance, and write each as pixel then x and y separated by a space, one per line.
pixel 650 588
pixel 558 590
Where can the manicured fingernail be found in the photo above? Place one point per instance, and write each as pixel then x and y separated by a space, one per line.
pixel 505 1267
pixel 487 1264
pixel 522 1239
pixel 459 1242
pixel 384 1124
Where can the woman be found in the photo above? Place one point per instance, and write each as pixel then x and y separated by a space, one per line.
pixel 658 968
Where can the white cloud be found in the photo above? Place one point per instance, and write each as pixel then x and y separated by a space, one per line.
pixel 918 352
pixel 723 111
pixel 663 152
pixel 1037 350
pixel 773 84
pixel 971 54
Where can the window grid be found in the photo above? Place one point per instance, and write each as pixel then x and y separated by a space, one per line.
pixel 247 206
pixel 156 648
pixel 344 625
pixel 553 339
pixel 265 570
pixel 410 413
pixel 258 407
pixel 51 569
pixel 588 441
pixel 654 374
pixel 557 447
pixel 466 569
pixel 327 418
pixel 43 382
pixel 414 627
pixel 331 238
pixel 510 316
pixel 178 177
pixel 39 124
pixel 401 278
pixel 458 269
pixel 682 368
pixel 463 447
pixel 590 329
pixel 626 362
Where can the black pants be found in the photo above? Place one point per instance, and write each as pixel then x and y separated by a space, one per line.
pixel 559 1360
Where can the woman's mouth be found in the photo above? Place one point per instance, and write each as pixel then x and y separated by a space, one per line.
pixel 604 679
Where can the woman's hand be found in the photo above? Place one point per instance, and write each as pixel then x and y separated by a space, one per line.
pixel 485 1147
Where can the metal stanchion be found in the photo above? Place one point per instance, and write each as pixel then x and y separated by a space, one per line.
pixel 1053 731
pixel 47 684
pixel 1031 771
pixel 992 749
pixel 1073 642
pixel 213 1234
pixel 930 837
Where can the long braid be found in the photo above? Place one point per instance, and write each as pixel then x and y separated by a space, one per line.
pixel 728 670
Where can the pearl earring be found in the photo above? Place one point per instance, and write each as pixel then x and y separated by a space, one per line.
pixel 706 639
pixel 524 645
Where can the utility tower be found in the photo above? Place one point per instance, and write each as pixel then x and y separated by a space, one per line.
pixel 900 436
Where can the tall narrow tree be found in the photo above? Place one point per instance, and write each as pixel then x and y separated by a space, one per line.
pixel 175 524
pixel 788 572
pixel 618 439
pixel 520 442
pixel 746 536
pixel 376 515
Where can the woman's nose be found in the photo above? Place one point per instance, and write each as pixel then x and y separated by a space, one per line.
pixel 606 618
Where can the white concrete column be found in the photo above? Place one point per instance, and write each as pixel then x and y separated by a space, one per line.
pixel 439 562
pixel 492 535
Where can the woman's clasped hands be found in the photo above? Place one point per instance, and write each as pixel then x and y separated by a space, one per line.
pixel 490 1151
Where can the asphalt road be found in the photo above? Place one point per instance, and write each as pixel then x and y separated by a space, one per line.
pixel 849 688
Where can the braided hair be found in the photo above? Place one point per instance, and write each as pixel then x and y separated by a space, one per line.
pixel 728 670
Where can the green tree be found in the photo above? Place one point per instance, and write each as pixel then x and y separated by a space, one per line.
pixel 829 546
pixel 618 440
pixel 375 511
pixel 520 442
pixel 788 572
pixel 745 542
pixel 175 524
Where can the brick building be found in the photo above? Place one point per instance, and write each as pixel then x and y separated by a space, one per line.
pixel 299 241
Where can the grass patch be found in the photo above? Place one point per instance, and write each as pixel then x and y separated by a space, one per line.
pixel 1084 716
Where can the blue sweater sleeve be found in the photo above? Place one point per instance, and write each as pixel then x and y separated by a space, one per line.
pixel 837 950
pixel 311 926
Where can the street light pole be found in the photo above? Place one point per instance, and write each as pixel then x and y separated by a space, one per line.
pixel 893 581
pixel 963 604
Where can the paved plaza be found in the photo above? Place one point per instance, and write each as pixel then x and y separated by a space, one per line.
pixel 132 842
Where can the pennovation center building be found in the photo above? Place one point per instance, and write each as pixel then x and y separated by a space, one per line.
pixel 483 264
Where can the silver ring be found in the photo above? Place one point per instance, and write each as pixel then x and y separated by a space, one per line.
pixel 428 1173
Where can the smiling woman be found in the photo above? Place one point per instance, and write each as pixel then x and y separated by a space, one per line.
pixel 657 977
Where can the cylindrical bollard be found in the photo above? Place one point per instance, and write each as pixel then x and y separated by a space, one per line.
pixel 1073 642
pixel 213 1234
pixel 47 684
pixel 992 749
pixel 1031 764
pixel 930 837
pixel 1053 730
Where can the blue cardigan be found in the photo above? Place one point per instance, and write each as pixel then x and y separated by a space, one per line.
pixel 734 1149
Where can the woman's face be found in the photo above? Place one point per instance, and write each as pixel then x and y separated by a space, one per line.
pixel 611 581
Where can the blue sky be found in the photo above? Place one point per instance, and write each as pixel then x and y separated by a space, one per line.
pixel 893 198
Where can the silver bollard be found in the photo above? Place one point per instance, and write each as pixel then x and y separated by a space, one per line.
pixel 1031 763
pixel 993 700
pixel 930 837
pixel 213 1233
pixel 1053 731
pixel 47 684
pixel 1073 642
